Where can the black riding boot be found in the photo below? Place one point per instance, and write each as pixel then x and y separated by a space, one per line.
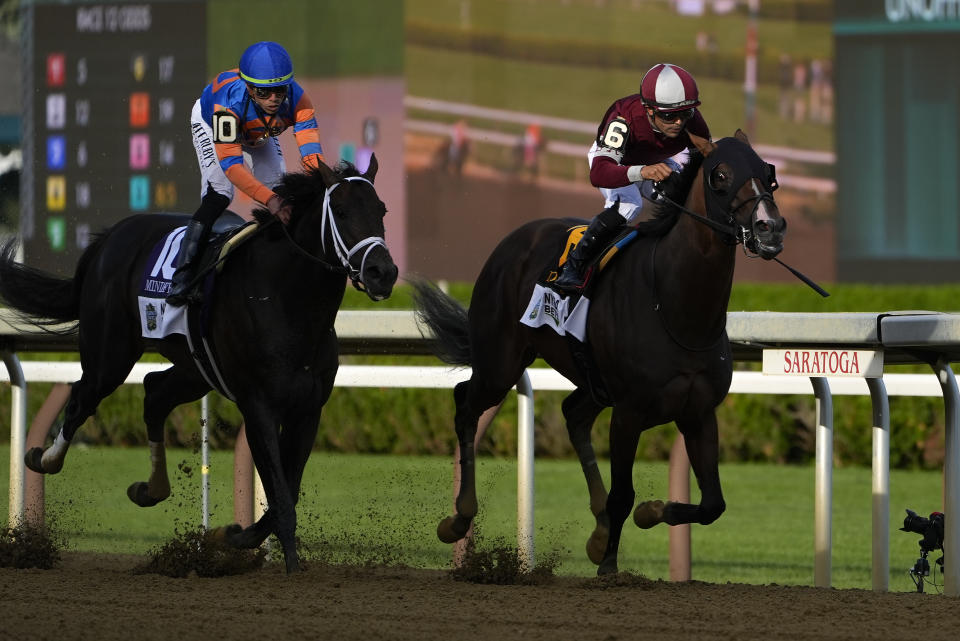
pixel 186 261
pixel 602 229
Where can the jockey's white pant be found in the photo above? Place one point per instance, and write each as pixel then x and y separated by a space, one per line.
pixel 633 196
pixel 266 161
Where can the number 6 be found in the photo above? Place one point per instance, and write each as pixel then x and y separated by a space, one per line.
pixel 616 134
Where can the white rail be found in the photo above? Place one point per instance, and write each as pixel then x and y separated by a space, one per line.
pixel 543 379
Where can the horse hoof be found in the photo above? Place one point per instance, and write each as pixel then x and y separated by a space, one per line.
pixel 226 534
pixel 33 459
pixel 597 544
pixel 293 565
pixel 452 529
pixel 608 567
pixel 648 514
pixel 138 493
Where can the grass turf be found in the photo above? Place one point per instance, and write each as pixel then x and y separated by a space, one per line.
pixel 384 509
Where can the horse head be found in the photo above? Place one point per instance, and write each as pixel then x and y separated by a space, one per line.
pixel 351 226
pixel 738 189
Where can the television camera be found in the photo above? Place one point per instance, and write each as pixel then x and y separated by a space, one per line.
pixel 931 529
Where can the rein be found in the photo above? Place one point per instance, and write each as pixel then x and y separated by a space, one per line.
pixel 739 233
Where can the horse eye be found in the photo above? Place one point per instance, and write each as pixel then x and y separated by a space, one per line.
pixel 721 179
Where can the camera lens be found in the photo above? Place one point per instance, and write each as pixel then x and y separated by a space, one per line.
pixel 913 522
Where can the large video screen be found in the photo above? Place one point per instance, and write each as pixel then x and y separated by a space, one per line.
pixel 108 94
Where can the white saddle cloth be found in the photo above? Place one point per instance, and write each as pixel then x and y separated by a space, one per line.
pixel 548 308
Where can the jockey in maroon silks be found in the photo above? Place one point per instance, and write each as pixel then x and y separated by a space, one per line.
pixel 642 139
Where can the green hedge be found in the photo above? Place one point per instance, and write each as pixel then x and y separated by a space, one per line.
pixel 408 421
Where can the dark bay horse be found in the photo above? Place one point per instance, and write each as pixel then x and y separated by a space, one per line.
pixel 270 328
pixel 656 331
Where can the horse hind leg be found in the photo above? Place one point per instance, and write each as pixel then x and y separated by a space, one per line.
pixel 85 395
pixel 108 351
pixel 472 400
pixel 453 528
pixel 163 391
pixel 702 445
pixel 580 411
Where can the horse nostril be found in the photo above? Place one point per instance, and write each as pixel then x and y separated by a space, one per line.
pixel 374 273
pixel 381 273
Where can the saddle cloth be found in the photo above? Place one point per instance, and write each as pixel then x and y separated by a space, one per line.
pixel 563 312
pixel 157 319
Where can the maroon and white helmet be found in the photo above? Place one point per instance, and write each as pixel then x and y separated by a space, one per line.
pixel 669 88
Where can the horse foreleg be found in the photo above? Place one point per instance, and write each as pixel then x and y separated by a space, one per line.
pixel 624 436
pixel 262 428
pixel 580 411
pixel 703 450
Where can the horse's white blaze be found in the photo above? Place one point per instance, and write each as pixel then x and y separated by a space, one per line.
pixel 764 212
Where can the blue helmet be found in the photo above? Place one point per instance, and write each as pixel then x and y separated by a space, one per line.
pixel 266 64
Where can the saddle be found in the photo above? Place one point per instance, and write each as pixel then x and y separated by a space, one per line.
pixel 594 267
pixel 567 313
pixel 228 232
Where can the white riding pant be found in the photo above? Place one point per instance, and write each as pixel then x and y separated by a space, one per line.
pixel 266 161
pixel 633 196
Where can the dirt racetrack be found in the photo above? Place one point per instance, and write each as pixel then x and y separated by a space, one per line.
pixel 99 598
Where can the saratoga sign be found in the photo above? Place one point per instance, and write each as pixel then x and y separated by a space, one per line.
pixel 865 363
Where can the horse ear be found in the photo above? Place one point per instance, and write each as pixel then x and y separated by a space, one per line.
pixel 329 178
pixel 703 145
pixel 371 172
pixel 742 137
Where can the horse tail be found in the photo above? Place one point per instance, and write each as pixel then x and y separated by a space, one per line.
pixel 41 298
pixel 447 321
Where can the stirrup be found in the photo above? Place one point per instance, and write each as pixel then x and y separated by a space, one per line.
pixel 572 283
pixel 178 300
pixel 182 295
pixel 183 299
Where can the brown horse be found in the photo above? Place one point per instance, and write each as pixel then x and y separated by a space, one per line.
pixel 656 332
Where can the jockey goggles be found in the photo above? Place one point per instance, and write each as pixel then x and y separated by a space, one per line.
pixel 265 92
pixel 674 116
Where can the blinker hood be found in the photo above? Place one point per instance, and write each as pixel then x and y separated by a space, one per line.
pixel 744 164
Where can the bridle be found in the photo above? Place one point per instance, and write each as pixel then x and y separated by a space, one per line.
pixel 344 253
pixel 732 232
pixel 736 234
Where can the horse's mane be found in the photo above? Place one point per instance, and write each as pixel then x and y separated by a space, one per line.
pixel 676 187
pixel 301 189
